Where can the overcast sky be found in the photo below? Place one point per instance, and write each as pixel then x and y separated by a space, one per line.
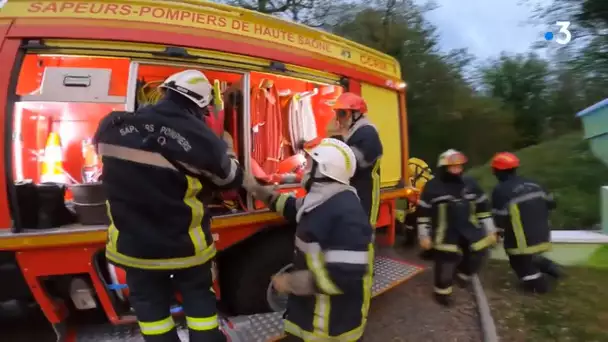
pixel 485 27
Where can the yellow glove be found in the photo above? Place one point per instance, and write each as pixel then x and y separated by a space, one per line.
pixel 425 243
pixel 492 239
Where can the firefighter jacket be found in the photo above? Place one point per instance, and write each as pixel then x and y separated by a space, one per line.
pixel 334 244
pixel 160 166
pixel 521 207
pixel 453 213
pixel 364 140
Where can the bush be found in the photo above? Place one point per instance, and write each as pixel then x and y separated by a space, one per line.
pixel 566 167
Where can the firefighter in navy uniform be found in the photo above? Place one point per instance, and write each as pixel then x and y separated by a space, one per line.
pixel 454 219
pixel 160 164
pixel 521 210
pixel 330 286
pixel 355 129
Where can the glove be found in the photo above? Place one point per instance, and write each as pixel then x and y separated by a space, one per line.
pixel 258 191
pixel 230 144
pixel 492 239
pixel 333 128
pixel 425 243
pixel 249 182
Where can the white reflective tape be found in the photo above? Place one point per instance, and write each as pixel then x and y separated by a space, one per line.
pixel 528 197
pixel 423 219
pixel 234 165
pixel 423 204
pixel 532 277
pixel 463 276
pixel 424 230
pixel 488 224
pixel 134 155
pixel 481 198
pixel 333 256
pixel 500 212
pixel 346 257
pixel 307 247
pixel 442 198
pixel 361 162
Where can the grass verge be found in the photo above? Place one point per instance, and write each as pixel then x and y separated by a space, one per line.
pixel 577 310
pixel 566 167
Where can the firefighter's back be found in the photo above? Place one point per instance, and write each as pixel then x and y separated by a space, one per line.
pixel 528 208
pixel 341 227
pixel 157 211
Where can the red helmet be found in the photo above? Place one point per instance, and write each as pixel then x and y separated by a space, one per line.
pixel 350 101
pixel 505 161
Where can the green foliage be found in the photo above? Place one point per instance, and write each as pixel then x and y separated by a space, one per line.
pixel 566 167
pixel 520 83
pixel 517 101
pixel 575 310
pixel 599 258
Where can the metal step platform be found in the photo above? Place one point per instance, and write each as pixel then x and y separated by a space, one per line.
pixel 254 328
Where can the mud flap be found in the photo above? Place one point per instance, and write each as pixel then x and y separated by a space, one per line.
pixel 253 328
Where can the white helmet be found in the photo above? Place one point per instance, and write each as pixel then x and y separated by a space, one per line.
pixel 334 158
pixel 193 84
pixel 451 157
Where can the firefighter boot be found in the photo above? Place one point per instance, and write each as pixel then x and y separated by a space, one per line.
pixel 462 280
pixel 538 285
pixel 411 237
pixel 547 266
pixel 426 255
pixel 443 299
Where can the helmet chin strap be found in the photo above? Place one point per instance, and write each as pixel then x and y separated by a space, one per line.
pixel 310 177
pixel 356 116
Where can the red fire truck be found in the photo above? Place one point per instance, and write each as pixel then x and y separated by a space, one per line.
pixel 65 64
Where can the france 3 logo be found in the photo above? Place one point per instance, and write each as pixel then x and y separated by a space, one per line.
pixel 563 35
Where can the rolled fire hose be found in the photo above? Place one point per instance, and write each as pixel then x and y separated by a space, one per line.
pixel 266 125
pixel 302 122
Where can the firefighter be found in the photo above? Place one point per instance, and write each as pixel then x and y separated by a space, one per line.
pixel 420 173
pixel 354 128
pixel 160 165
pixel 451 211
pixel 521 210
pixel 330 287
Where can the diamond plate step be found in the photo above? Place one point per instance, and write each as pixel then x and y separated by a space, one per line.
pixel 254 328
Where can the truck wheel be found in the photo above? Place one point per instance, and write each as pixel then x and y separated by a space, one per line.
pixel 245 273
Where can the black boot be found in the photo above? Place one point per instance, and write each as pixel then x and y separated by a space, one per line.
pixel 426 255
pixel 411 238
pixel 547 266
pixel 443 300
pixel 462 280
pixel 536 286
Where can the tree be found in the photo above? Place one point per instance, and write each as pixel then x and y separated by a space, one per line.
pixel 521 83
pixel 308 12
pixel 443 110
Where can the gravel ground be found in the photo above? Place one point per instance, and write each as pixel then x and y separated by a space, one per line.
pixel 408 313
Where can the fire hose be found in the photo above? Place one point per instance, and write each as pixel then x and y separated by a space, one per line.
pixel 266 126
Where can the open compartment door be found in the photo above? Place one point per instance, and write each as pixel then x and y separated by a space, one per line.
pixel 383 111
